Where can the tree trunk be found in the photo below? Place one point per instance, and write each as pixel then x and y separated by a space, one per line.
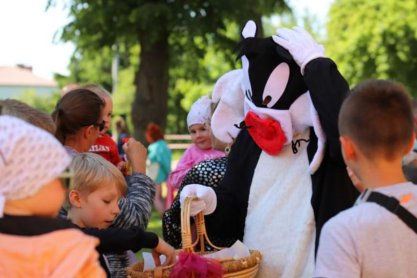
pixel 151 96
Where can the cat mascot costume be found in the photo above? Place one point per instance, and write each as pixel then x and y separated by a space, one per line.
pixel 285 176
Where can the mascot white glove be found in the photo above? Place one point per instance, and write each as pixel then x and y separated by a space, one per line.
pixel 207 200
pixel 300 44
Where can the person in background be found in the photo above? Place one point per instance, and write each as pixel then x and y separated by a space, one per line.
pixel 33 242
pixel 123 134
pixel 201 149
pixel 378 236
pixel 159 162
pixel 104 145
pixel 78 120
pixel 209 173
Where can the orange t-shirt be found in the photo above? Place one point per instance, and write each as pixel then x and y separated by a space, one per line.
pixel 62 253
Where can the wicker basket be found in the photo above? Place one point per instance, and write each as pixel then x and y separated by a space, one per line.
pixel 242 268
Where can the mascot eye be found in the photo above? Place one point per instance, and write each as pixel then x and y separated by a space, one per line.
pixel 276 84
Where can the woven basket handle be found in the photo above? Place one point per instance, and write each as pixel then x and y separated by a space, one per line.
pixel 187 244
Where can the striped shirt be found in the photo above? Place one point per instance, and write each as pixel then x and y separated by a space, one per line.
pixel 135 210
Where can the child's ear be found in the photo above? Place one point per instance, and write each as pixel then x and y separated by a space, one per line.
pixel 411 143
pixel 348 148
pixel 75 198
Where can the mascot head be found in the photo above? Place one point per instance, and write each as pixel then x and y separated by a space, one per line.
pixel 268 96
pixel 271 79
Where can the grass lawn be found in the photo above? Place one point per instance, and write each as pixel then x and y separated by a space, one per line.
pixel 155 225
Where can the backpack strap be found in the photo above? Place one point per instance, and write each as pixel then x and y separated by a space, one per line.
pixel 394 206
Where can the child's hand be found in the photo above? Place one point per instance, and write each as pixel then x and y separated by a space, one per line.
pixel 136 154
pixel 163 248
pixel 122 166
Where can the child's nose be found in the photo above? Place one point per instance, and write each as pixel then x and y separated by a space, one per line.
pixel 116 209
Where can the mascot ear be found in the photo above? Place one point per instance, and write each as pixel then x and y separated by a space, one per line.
pixel 228 93
pixel 249 30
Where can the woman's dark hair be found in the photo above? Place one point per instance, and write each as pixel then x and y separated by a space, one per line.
pixel 154 131
pixel 76 109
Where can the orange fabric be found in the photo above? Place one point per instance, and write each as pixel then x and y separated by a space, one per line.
pixel 406 198
pixel 63 253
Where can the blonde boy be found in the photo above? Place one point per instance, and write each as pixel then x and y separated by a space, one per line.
pixel 97 188
pixel 33 242
pixel 372 238
pixel 94 204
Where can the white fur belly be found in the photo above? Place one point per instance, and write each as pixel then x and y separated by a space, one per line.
pixel 280 219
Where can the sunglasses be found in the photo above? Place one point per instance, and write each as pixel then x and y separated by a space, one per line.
pixel 67 178
pixel 100 125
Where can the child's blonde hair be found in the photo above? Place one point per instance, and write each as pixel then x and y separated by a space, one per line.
pixel 98 90
pixel 91 171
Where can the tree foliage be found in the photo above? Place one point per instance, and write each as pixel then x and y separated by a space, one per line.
pixel 177 40
pixel 45 103
pixel 374 39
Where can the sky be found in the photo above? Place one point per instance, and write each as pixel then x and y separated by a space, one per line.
pixel 27 33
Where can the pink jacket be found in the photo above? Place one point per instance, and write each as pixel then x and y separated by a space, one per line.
pixel 191 157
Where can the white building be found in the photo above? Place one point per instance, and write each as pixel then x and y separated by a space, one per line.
pixel 15 81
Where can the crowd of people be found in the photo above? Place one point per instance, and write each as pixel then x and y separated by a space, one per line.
pixel 75 202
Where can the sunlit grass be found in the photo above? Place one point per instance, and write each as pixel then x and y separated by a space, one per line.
pixel 155 222
pixel 155 226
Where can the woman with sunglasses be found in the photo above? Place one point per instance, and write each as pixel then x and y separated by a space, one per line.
pixel 78 119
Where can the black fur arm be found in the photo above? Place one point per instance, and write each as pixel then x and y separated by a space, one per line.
pixel 328 89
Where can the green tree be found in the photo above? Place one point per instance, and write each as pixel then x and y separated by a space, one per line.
pixel 157 26
pixel 45 103
pixel 89 66
pixel 374 39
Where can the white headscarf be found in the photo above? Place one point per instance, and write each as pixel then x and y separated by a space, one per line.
pixel 199 112
pixel 29 158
